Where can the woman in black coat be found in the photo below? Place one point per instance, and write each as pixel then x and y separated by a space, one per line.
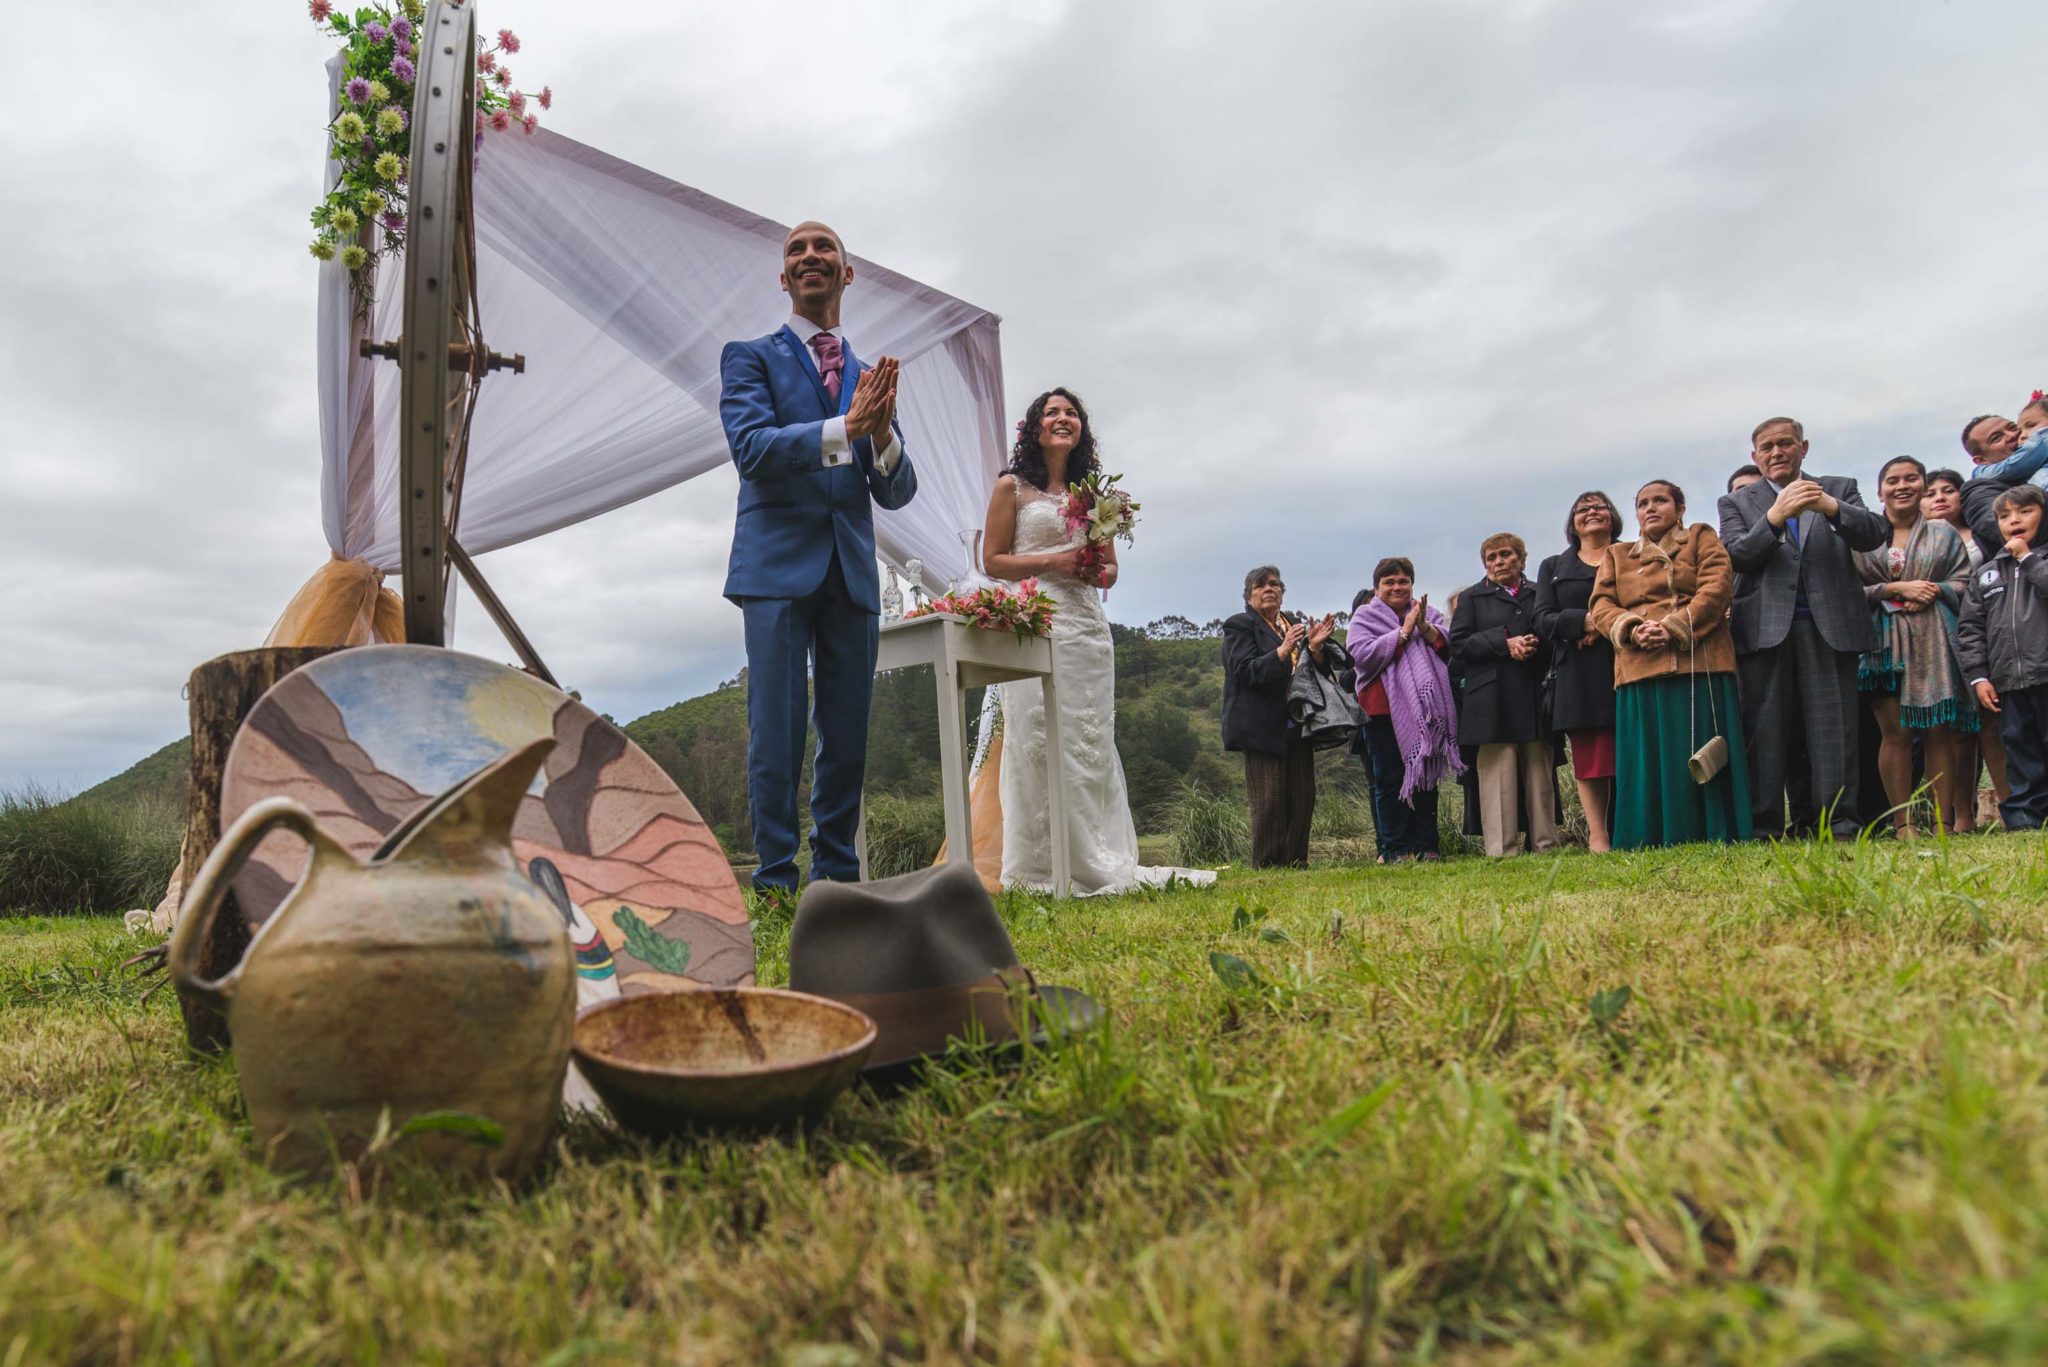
pixel 1260 647
pixel 1583 696
pixel 1493 636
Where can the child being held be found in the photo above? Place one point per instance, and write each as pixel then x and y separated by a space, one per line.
pixel 2002 640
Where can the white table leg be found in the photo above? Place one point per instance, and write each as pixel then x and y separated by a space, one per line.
pixel 953 761
pixel 1055 789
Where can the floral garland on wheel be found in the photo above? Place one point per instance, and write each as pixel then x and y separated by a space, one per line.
pixel 370 136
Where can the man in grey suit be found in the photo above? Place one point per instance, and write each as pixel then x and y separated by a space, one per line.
pixel 1800 620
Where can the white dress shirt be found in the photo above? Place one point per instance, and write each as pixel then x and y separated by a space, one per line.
pixel 838 449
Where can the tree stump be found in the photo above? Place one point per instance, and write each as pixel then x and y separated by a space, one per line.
pixel 222 693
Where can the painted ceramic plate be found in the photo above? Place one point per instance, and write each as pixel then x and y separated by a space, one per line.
pixel 366 737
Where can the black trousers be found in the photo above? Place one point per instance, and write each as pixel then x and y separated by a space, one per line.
pixel 1800 697
pixel 1401 829
pixel 1282 792
pixel 2023 724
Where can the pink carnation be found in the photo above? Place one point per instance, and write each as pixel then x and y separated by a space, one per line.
pixel 508 40
pixel 531 122
pixel 319 9
pixel 487 61
pixel 503 75
pixel 517 104
pixel 501 121
pixel 547 97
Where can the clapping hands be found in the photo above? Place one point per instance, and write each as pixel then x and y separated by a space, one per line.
pixel 1800 496
pixel 874 400
pixel 1319 633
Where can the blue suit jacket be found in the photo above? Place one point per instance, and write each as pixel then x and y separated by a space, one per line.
pixel 794 512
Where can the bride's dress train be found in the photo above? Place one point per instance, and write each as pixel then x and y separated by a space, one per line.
pixel 1102 839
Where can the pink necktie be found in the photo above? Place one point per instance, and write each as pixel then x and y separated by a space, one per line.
pixel 831 361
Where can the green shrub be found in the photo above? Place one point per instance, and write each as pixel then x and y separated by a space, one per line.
pixel 1209 829
pixel 85 855
pixel 904 833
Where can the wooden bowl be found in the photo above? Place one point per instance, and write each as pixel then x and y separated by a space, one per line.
pixel 719 1058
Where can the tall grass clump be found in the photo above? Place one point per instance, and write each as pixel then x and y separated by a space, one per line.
pixel 59 857
pixel 904 833
pixel 1209 828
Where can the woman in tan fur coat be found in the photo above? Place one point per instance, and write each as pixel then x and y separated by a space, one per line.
pixel 1662 601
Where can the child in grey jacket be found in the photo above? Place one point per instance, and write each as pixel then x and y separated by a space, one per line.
pixel 2002 643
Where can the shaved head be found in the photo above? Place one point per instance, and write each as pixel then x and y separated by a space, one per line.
pixel 815 272
pixel 810 226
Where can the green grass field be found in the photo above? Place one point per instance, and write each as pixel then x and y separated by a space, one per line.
pixel 1680 1107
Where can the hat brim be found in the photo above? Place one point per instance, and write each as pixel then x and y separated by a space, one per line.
pixel 1060 1013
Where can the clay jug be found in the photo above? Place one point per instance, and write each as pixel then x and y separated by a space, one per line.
pixel 436 977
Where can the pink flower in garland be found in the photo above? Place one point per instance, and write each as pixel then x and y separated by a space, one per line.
pixel 547 97
pixel 503 75
pixel 531 121
pixel 320 10
pixel 508 40
pixel 501 121
pixel 487 62
pixel 517 104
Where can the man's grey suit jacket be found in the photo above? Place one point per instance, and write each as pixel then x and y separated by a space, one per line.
pixel 1768 565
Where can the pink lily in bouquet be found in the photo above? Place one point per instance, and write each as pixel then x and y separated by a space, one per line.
pixel 1103 514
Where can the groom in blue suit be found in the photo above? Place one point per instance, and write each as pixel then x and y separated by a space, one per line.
pixel 812 430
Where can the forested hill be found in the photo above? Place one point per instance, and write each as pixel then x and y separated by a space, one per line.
pixel 1169 688
pixel 1168 730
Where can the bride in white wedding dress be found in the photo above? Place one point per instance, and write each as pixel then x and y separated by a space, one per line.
pixel 1027 538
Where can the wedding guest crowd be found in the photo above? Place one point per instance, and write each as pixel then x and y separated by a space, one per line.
pixel 1705 682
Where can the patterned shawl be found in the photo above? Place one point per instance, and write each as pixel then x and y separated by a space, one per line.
pixel 1916 650
pixel 1418 693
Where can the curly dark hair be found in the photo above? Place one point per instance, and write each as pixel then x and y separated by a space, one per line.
pixel 1027 462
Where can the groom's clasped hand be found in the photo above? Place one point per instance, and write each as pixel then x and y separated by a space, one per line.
pixel 874 400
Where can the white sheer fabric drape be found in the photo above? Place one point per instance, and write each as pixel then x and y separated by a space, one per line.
pixel 621 288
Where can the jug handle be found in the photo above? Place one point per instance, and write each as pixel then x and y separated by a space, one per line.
pixel 202 903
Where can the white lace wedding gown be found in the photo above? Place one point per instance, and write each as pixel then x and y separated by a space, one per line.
pixel 1102 840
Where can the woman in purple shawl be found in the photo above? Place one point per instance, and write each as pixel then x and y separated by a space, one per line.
pixel 1398 643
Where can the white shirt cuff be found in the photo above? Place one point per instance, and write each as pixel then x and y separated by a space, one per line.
pixel 836 450
pixel 886 458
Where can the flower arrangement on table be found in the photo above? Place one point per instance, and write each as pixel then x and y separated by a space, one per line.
pixel 1103 513
pixel 1026 609
pixel 370 136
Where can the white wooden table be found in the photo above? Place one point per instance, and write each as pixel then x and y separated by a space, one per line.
pixel 964 657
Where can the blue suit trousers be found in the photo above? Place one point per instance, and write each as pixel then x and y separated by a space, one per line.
pixel 836 637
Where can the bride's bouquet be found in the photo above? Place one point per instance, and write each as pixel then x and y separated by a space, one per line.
pixel 1103 513
pixel 1025 609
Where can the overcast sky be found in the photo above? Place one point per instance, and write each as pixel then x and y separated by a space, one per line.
pixel 1337 280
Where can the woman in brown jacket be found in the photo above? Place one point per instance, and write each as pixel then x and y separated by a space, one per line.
pixel 1662 600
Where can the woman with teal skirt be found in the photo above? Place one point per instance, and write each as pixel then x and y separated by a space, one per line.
pixel 1662 600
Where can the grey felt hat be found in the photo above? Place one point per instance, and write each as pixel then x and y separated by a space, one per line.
pixel 926 956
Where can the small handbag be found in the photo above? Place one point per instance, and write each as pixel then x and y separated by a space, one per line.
pixel 1709 759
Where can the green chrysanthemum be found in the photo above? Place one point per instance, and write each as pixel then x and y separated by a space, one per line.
pixel 322 249
pixel 372 202
pixel 354 257
pixel 343 221
pixel 389 122
pixel 350 127
pixel 379 92
pixel 389 167
pixel 414 9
